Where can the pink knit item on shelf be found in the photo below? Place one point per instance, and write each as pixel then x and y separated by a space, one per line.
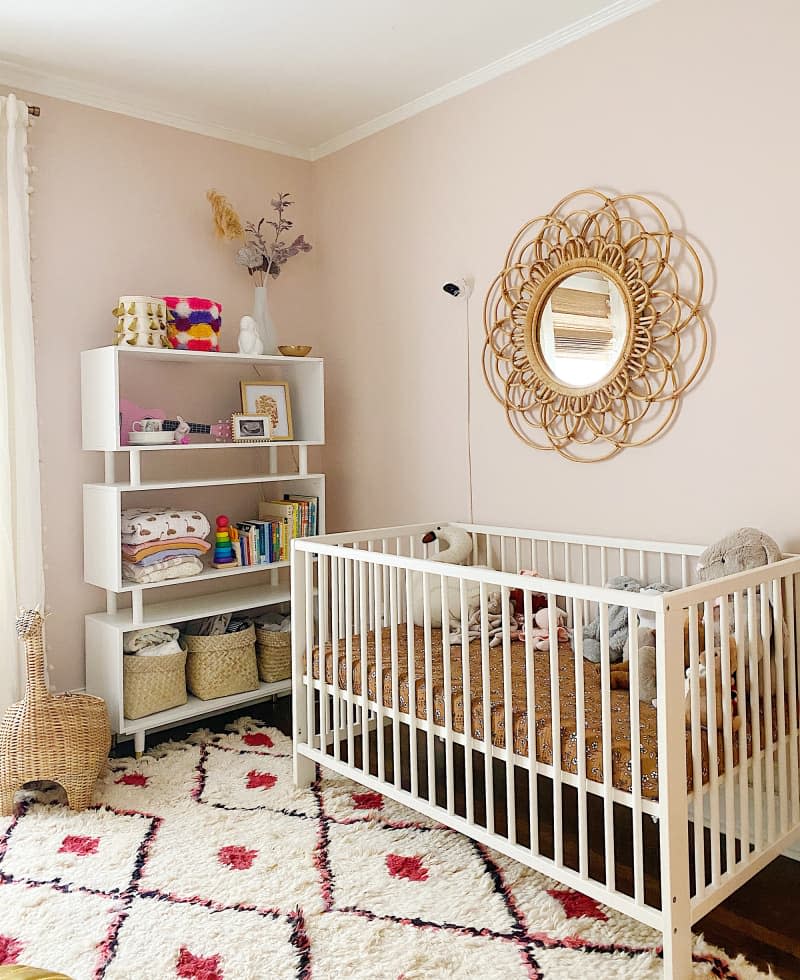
pixel 196 323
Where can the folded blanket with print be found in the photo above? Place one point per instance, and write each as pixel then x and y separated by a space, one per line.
pixel 159 544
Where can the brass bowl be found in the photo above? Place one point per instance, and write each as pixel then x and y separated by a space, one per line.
pixel 294 350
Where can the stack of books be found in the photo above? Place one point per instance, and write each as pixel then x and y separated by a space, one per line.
pixel 268 539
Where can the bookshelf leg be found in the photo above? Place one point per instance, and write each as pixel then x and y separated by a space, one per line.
pixel 138 744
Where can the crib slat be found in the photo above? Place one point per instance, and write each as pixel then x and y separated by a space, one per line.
pixel 511 808
pixel 549 559
pixel 769 760
pixel 713 750
pixel 309 604
pixel 412 686
pixel 662 567
pixel 780 697
pixel 607 735
pixel 740 635
pixel 755 718
pixel 555 720
pixel 684 571
pixel 530 707
pixel 580 725
pixel 792 694
pixel 322 619
pixel 603 565
pixel 335 610
pixel 349 570
pixel 636 758
pixel 466 695
pixel 447 694
pixel 430 756
pixel 487 711
pixel 642 566
pixel 622 569
pixel 727 734
pixel 585 579
pixel 395 678
pixel 363 616
pixel 698 789
pixel 379 679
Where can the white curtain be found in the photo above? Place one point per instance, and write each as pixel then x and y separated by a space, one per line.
pixel 21 571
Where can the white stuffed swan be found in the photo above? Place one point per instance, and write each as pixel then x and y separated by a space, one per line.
pixel 455 548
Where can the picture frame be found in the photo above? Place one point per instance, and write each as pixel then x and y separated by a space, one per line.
pixel 269 398
pixel 251 428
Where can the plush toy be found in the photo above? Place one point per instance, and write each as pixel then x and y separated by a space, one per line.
pixel 617 624
pixel 736 721
pixel 455 548
pixel 540 629
pixel 494 610
pixel 736 552
pixel 646 647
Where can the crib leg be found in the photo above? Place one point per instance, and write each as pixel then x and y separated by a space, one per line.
pixel 303 770
pixel 677 949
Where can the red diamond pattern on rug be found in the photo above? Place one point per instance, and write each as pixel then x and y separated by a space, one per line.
pixel 367 801
pixel 258 740
pixel 260 780
pixel 235 856
pixel 132 779
pixel 74 844
pixel 402 866
pixel 10 950
pixel 198 967
pixel 576 905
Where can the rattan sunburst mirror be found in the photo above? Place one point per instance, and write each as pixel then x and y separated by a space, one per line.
pixel 594 326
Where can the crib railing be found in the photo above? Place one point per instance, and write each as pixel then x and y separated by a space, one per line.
pixel 366 704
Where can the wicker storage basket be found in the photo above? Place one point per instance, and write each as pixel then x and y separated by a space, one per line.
pixel 221 665
pixel 151 684
pixel 274 655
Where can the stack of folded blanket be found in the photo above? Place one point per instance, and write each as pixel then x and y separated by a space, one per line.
pixel 162 543
pixel 152 641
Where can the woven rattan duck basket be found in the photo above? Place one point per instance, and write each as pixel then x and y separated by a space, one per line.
pixel 274 654
pixel 217 666
pixel 59 738
pixel 151 684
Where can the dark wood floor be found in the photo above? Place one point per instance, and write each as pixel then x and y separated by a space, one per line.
pixel 761 920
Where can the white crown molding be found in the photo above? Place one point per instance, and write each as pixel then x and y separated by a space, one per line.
pixel 558 39
pixel 60 87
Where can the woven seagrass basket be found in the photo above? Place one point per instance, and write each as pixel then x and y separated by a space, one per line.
pixel 274 655
pixel 151 684
pixel 221 665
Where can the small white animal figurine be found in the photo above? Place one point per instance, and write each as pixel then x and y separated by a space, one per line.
pixel 249 340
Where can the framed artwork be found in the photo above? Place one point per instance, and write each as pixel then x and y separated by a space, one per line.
pixel 250 428
pixel 269 398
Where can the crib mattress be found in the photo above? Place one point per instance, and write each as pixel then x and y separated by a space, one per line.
pixel 521 728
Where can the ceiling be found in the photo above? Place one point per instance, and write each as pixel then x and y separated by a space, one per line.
pixel 302 77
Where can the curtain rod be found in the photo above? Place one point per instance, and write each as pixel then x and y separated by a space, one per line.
pixel 34 110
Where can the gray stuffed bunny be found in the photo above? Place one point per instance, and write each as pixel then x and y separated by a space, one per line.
pixel 617 624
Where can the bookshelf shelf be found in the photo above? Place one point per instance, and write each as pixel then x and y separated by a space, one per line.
pixel 205 387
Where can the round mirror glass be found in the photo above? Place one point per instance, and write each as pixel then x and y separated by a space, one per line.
pixel 583 328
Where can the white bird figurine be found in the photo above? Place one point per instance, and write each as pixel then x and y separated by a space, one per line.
pixel 249 340
pixel 455 548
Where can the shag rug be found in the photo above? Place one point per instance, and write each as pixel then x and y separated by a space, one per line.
pixel 202 861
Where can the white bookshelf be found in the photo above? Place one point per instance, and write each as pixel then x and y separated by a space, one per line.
pixel 111 373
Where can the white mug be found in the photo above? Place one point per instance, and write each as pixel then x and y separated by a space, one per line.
pixel 147 425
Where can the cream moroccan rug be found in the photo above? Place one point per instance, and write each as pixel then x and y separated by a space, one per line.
pixel 203 862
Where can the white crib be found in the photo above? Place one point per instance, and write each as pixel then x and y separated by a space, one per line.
pixel 691 840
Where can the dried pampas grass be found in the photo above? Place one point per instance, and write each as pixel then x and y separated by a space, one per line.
pixel 226 221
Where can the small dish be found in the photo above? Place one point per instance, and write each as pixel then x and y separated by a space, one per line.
pixel 150 438
pixel 294 350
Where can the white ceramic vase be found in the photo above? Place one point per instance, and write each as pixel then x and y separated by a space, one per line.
pixel 263 318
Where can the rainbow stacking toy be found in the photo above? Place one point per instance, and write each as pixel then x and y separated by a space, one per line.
pixel 223 549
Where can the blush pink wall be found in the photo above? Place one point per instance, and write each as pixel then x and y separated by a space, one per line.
pixel 690 103
pixel 120 208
